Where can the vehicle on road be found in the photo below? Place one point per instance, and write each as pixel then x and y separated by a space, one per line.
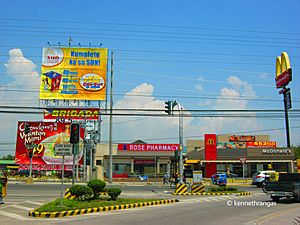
pixel 288 186
pixel 219 179
pixel 261 176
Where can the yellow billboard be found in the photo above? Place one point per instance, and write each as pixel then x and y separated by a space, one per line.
pixel 74 73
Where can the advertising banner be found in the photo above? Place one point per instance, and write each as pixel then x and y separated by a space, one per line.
pixel 149 147
pixel 44 136
pixel 74 73
pixel 70 114
pixel 261 144
pixel 243 138
pixel 221 145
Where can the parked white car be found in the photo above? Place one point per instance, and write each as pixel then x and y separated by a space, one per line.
pixel 260 176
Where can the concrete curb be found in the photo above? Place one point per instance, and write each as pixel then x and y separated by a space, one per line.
pixel 99 209
pixel 217 193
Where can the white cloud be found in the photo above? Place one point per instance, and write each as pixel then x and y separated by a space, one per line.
pixel 145 128
pixel 234 97
pixel 26 80
pixel 22 91
pixel 199 87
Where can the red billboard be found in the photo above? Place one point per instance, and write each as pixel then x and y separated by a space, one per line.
pixel 261 144
pixel 210 146
pixel 149 147
pixel 210 154
pixel 44 136
pixel 70 114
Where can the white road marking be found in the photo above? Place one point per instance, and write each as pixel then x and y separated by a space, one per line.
pixel 21 207
pixel 35 203
pixel 14 216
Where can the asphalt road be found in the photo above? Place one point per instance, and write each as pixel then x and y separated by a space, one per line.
pixel 190 210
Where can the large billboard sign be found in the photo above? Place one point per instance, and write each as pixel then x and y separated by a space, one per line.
pixel 70 114
pixel 74 73
pixel 149 147
pixel 241 138
pixel 44 136
pixel 283 70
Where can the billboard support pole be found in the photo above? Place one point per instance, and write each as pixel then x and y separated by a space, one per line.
pixel 287 127
pixel 62 180
pixel 73 167
pixel 30 167
pixel 110 117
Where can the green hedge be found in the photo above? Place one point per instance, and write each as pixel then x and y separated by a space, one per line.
pixel 114 193
pixel 97 186
pixel 81 192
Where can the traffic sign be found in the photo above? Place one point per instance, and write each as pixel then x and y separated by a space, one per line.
pixel 63 150
pixel 243 160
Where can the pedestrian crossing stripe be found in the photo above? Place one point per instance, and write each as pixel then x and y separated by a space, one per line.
pixel 214 193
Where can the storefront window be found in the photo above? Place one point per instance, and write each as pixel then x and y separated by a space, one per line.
pixel 119 169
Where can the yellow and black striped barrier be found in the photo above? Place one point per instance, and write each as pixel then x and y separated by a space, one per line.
pixel 29 180
pixel 68 194
pixel 181 189
pixel 244 193
pixel 99 209
pixel 198 187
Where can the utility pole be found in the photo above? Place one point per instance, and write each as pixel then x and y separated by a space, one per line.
pixel 110 116
pixel 169 106
pixel 181 143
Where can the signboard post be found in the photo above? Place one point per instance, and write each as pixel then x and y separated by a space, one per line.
pixel 243 161
pixel 282 79
pixel 62 150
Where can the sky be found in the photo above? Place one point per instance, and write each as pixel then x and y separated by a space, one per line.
pixel 206 55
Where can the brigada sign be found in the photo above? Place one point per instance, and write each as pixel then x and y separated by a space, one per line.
pixel 283 70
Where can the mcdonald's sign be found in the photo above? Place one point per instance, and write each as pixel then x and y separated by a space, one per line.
pixel 210 146
pixel 283 70
pixel 210 141
pixel 210 154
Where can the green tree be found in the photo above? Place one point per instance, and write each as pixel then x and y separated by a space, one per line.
pixel 8 157
pixel 297 151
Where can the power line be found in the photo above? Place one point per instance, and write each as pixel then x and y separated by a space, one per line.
pixel 154 40
pixel 152 51
pixel 144 31
pixel 168 96
pixel 190 136
pixel 173 37
pixel 150 25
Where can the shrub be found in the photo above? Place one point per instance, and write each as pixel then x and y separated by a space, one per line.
pixel 114 193
pixel 81 191
pixel 222 189
pixel 97 186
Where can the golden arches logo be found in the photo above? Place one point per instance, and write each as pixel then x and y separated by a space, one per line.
pixel 210 142
pixel 283 70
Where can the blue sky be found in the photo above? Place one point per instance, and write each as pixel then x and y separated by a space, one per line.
pixel 203 50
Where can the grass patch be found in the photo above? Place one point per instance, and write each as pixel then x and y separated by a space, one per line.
pixel 68 204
